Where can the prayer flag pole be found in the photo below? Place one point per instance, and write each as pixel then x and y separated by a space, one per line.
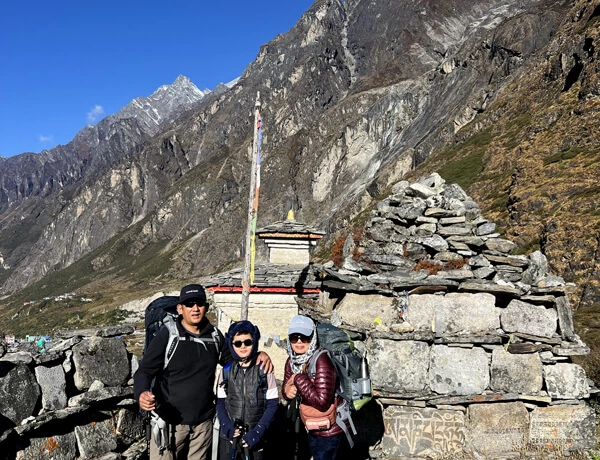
pixel 248 277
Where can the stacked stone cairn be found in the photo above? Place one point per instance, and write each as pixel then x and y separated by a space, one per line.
pixel 74 401
pixel 469 347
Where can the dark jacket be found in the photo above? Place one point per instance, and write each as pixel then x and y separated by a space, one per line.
pixel 245 397
pixel 184 390
pixel 317 391
pixel 245 401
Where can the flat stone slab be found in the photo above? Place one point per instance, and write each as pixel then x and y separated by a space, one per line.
pixel 109 331
pixel 516 373
pixel 527 318
pixel 458 371
pixel 492 288
pixel 410 365
pixel 563 427
pixel 497 428
pixel 423 433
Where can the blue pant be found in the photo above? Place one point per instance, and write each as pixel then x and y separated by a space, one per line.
pixel 324 447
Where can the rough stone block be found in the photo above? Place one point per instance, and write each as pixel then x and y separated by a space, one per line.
pixel 527 318
pixel 19 393
pixel 563 427
pixel 57 447
pixel 96 438
pixel 566 381
pixel 458 371
pixel 103 359
pixel 420 312
pixel 130 426
pixel 53 384
pixel 463 313
pixel 497 428
pixel 423 433
pixel 516 373
pixel 399 366
pixel 360 311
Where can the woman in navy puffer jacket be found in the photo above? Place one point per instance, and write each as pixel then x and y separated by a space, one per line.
pixel 317 391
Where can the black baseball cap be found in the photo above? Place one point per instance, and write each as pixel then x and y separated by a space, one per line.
pixel 193 292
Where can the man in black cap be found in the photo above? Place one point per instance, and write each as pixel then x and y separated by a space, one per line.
pixel 182 398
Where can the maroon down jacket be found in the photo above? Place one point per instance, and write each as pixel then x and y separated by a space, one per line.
pixel 317 391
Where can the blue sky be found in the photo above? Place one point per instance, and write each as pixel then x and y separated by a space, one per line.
pixel 64 64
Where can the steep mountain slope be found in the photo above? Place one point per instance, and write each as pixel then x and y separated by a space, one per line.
pixel 354 97
pixel 36 189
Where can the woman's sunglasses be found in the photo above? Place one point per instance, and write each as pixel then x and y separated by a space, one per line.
pixel 239 343
pixel 303 338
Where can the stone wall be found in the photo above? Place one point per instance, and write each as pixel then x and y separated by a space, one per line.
pixel 74 401
pixel 469 347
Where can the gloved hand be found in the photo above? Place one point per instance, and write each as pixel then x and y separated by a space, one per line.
pixel 253 436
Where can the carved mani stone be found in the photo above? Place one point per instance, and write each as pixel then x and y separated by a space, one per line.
pixel 563 427
pixel 423 433
pixel 497 428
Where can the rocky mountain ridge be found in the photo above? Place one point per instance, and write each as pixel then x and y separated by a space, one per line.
pixel 353 99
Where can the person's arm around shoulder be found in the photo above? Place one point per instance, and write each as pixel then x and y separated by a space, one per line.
pixel 264 361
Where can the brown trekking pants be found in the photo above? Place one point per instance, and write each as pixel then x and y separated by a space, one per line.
pixel 193 442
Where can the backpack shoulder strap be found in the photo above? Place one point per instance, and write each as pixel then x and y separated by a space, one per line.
pixel 312 362
pixel 173 341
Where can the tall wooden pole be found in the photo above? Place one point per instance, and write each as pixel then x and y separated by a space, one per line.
pixel 251 213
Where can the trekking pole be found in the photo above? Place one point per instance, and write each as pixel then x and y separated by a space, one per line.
pixel 296 419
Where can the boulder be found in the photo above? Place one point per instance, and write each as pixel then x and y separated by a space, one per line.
pixel 19 394
pixel 103 359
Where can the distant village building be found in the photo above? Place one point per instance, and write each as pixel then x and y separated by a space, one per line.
pixel 9 339
pixel 276 285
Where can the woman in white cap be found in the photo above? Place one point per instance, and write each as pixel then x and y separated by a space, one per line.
pixel 316 393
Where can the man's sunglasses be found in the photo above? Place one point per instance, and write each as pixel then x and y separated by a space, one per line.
pixel 239 343
pixel 303 338
pixel 191 303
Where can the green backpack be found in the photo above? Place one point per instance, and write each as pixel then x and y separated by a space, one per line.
pixel 354 382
